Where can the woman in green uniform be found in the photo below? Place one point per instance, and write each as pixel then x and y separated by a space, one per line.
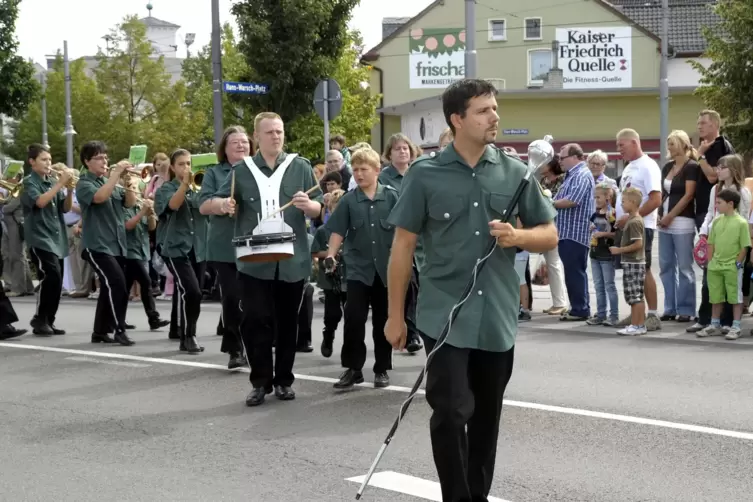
pixel 183 246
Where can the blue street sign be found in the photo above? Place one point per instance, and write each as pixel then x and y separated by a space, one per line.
pixel 515 132
pixel 245 88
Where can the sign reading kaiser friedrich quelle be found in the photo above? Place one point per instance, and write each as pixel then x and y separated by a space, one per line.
pixel 595 58
pixel 437 57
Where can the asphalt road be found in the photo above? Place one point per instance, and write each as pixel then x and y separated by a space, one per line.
pixel 590 417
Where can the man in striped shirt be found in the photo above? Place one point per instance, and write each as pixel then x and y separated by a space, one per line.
pixel 575 205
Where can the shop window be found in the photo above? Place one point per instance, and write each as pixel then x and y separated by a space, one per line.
pixel 497 30
pixel 532 28
pixel 539 65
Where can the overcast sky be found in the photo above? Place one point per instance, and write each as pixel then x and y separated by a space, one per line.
pixel 44 24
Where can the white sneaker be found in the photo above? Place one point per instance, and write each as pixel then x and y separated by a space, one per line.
pixel 733 334
pixel 632 330
pixel 709 331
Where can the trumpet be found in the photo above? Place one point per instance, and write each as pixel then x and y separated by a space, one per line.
pixel 196 179
pixel 57 170
pixel 14 190
pixel 145 173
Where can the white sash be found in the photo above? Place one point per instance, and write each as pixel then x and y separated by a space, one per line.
pixel 269 192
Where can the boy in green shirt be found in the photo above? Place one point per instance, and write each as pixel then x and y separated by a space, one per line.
pixel 728 243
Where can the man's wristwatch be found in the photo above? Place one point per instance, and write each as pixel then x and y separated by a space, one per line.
pixel 739 265
pixel 702 157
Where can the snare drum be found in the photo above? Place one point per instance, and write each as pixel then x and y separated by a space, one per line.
pixel 262 248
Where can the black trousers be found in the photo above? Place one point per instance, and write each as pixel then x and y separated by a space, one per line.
pixel 113 292
pixel 187 297
pixel 7 312
pixel 270 307
pixel 360 296
pixel 231 314
pixel 334 304
pixel 50 275
pixel 411 299
pixel 306 315
pixel 138 271
pixel 464 388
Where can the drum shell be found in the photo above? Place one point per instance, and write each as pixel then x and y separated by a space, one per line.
pixel 266 252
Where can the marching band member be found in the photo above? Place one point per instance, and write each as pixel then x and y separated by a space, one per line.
pixel 330 281
pixel 361 221
pixel 7 313
pixel 184 246
pixel 272 291
pixel 46 234
pixel 140 220
pixel 400 151
pixel 233 148
pixel 104 238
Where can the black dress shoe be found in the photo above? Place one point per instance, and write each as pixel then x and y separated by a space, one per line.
pixel 130 326
pixel 348 379
pixel 121 338
pixel 191 345
pixel 284 393
pixel 381 380
pixel 414 345
pixel 174 336
pixel 305 348
pixel 326 347
pixel 256 396
pixel 158 323
pixel 9 332
pixel 236 361
pixel 57 331
pixel 102 338
pixel 40 327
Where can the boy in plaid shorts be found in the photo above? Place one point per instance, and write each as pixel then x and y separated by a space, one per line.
pixel 728 244
pixel 633 262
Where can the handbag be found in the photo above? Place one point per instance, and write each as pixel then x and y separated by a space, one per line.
pixel 701 252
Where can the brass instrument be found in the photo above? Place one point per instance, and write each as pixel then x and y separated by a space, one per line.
pixel 145 174
pixel 14 190
pixel 57 170
pixel 196 179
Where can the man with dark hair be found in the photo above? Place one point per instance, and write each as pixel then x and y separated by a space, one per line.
pixel 453 201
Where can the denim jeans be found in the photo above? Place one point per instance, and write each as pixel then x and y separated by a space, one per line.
pixel 677 273
pixel 603 277
pixel 574 256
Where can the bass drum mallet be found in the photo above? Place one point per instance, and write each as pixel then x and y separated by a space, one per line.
pixel 540 153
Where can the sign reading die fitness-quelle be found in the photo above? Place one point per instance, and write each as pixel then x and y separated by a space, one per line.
pixel 595 58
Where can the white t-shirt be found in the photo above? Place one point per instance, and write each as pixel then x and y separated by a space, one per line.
pixel 644 174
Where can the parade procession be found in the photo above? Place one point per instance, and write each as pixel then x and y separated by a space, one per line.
pixel 281 270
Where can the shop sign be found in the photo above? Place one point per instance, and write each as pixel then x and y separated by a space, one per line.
pixel 436 57
pixel 595 58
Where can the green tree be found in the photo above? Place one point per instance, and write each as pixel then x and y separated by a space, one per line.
pixel 146 107
pixel 18 87
pixel 89 113
pixel 197 73
pixel 727 82
pixel 358 113
pixel 291 45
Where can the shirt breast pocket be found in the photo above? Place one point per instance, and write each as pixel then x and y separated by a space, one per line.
pixel 446 209
pixel 357 235
pixel 499 202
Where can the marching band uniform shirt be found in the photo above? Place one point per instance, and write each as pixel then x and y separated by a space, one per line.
pixel 137 239
pixel 105 222
pixel 298 177
pixel 449 205
pixel 44 228
pixel 186 228
pixel 221 228
pixel 392 177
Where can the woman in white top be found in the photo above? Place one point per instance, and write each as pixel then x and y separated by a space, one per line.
pixel 677 228
pixel 731 175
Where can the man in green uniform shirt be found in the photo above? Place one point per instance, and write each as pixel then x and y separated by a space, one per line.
pixel 453 201
pixel 46 234
pixel 271 291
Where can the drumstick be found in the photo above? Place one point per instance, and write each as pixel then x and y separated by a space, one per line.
pixel 232 188
pixel 283 208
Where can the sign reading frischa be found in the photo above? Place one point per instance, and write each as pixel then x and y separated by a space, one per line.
pixel 595 58
pixel 437 57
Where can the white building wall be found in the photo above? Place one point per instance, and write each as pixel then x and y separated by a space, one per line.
pixel 681 74
pixel 433 125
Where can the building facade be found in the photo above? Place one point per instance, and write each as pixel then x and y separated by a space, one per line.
pixel 578 71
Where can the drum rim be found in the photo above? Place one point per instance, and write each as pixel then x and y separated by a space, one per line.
pixel 286 237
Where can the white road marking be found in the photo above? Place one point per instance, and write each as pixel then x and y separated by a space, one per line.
pixel 409 485
pixel 100 361
pixel 314 378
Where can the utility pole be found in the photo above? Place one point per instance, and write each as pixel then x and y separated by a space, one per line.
pixel 664 82
pixel 69 132
pixel 470 38
pixel 43 78
pixel 217 72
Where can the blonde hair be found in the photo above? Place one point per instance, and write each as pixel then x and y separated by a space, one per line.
pixel 713 116
pixel 628 134
pixel 265 115
pixel 446 134
pixel 360 145
pixel 598 154
pixel 735 165
pixel 682 139
pixel 319 170
pixel 633 195
pixel 415 151
pixel 366 156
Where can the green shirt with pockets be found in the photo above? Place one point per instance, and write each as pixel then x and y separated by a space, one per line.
pixel 103 227
pixel 392 177
pixel 321 243
pixel 44 228
pixel 221 227
pixel 299 177
pixel 729 235
pixel 186 228
pixel 449 205
pixel 137 239
pixel 367 233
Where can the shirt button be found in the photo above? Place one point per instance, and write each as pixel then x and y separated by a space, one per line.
pixel 475 204
pixel 191 233
pixel 373 242
pixel 446 216
pixel 372 224
pixel 473 175
pixel 372 207
pixel 477 232
pixel 252 198
pixel 480 292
